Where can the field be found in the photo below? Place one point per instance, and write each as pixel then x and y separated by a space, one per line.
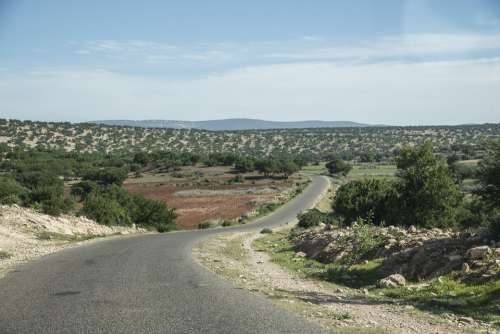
pixel 202 194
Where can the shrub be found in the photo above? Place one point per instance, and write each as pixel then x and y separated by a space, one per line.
pixel 204 225
pixel 106 210
pixel 489 175
pixel 310 218
pixel 425 194
pixel 365 199
pixel 11 191
pixel 338 166
pixel 152 213
pixel 266 231
pixel 107 176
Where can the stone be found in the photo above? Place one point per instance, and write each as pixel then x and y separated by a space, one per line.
pixel 300 254
pixel 478 253
pixel 392 281
pixel 412 229
pixel 454 258
pixel 465 268
pixel 497 251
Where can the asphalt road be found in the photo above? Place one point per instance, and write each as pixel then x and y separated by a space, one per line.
pixel 143 284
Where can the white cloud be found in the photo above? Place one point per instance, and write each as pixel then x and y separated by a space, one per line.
pixel 392 93
pixel 306 48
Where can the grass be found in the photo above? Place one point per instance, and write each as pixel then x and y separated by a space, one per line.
pixel 373 171
pixel 5 255
pixel 446 295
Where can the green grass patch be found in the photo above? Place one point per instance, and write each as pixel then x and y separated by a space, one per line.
pixel 372 171
pixel 447 295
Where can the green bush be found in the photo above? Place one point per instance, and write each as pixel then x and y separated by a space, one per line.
pixel 311 218
pixel 107 176
pixel 204 225
pixel 106 210
pixel 424 194
pixel 11 191
pixel 338 166
pixel 365 199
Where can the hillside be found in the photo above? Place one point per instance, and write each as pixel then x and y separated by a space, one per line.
pixel 230 124
pixel 364 143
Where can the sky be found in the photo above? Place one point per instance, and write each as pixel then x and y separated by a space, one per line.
pixel 406 62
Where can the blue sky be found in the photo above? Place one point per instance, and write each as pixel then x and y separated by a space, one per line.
pixel 387 61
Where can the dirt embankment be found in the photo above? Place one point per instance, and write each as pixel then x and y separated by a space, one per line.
pixel 26 234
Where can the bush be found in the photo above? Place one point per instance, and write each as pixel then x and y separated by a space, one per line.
pixel 311 218
pixel 11 191
pixel 106 210
pixel 266 231
pixel 425 194
pixel 489 175
pixel 365 199
pixel 107 176
pixel 204 225
pixel 338 166
pixel 115 206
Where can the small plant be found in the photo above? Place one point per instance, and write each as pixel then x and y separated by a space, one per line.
pixel 227 223
pixel 204 225
pixel 266 231
pixel 5 255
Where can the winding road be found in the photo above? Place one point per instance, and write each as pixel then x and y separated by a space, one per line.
pixel 144 284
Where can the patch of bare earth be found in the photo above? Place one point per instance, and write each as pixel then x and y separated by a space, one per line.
pixel 26 234
pixel 232 257
pixel 204 193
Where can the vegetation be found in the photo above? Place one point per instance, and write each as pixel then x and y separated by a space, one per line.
pixel 338 166
pixel 369 144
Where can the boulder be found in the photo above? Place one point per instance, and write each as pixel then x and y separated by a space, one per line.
pixel 392 281
pixel 478 253
pixel 412 229
pixel 465 268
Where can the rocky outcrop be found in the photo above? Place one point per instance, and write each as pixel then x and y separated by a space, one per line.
pixel 415 253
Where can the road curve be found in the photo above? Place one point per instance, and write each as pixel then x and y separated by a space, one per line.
pixel 143 284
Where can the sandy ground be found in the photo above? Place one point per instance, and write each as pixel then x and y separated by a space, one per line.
pixel 232 257
pixel 26 234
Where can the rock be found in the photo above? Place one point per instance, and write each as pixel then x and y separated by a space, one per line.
pixel 465 268
pixel 467 320
pixel 412 229
pixel 454 258
pixel 392 281
pixel 477 253
pixel 300 254
pixel 497 251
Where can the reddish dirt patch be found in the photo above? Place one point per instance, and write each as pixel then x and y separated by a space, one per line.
pixel 195 209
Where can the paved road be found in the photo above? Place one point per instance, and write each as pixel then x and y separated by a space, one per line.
pixel 143 284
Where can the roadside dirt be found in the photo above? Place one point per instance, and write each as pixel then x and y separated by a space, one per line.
pixel 232 257
pixel 26 234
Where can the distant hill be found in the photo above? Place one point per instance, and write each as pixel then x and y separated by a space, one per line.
pixel 231 124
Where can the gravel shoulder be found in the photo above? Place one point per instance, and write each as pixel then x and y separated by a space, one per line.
pixel 233 257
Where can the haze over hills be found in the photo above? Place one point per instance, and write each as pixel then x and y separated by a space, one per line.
pixel 232 124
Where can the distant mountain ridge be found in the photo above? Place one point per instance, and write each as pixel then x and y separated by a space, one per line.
pixel 232 124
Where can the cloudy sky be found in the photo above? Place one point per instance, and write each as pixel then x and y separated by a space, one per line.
pixel 388 61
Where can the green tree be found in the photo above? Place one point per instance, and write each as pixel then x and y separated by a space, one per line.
pixel 365 199
pixel 489 175
pixel 425 194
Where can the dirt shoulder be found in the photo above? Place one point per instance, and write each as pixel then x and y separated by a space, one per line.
pixel 26 234
pixel 235 258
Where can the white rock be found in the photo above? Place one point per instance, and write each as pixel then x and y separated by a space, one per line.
pixel 477 253
pixel 392 281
